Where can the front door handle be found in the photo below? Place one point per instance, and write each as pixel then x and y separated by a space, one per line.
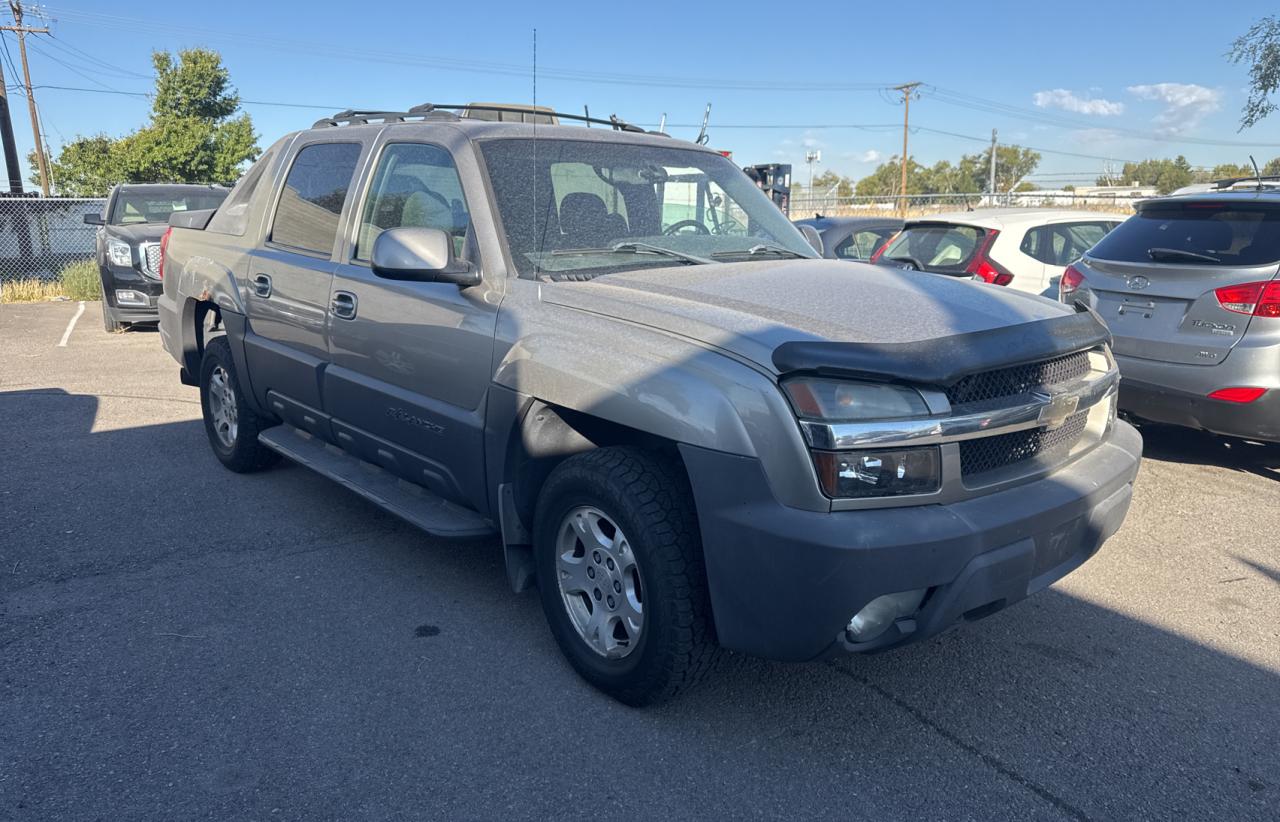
pixel 262 285
pixel 343 305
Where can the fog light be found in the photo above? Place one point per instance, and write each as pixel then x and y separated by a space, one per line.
pixel 874 619
pixel 127 296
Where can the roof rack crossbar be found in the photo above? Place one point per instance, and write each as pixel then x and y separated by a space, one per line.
pixel 359 117
pixel 613 121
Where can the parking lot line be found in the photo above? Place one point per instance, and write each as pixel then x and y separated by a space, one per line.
pixel 66 335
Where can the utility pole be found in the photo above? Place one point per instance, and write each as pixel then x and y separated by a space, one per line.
pixel 6 140
pixel 907 89
pixel 992 187
pixel 22 31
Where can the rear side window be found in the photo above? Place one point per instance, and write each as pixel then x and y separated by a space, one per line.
pixel 1196 233
pixel 314 192
pixel 232 216
pixel 936 246
pixel 861 244
pixel 1063 243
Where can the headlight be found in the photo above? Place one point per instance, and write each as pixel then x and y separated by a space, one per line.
pixel 119 253
pixel 879 473
pixel 844 401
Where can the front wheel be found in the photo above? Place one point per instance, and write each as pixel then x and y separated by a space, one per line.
pixel 231 424
pixel 621 576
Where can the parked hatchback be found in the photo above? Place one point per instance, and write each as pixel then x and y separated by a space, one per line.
pixel 1023 248
pixel 852 238
pixel 1188 288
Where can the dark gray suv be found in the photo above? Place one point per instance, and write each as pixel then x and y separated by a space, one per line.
pixel 1189 289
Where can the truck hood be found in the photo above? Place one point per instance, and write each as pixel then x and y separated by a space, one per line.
pixel 137 232
pixel 820 312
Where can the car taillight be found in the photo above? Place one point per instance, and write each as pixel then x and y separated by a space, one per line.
pixel 1071 280
pixel 1259 299
pixel 164 247
pixel 875 255
pixel 1238 394
pixel 985 268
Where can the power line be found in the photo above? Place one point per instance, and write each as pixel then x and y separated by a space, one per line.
pixel 64 46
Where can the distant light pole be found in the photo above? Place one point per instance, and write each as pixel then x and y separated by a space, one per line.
pixel 812 157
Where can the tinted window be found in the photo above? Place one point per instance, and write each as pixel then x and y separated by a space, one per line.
pixel 1196 234
pixel 937 246
pixel 861 244
pixel 415 185
pixel 155 205
pixel 311 203
pixel 1063 243
pixel 233 214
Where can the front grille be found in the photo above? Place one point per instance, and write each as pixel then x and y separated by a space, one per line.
pixel 1010 382
pixel 149 256
pixel 989 453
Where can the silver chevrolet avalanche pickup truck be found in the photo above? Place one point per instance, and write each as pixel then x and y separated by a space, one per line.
pixel 608 347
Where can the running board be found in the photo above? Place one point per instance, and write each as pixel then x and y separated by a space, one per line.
pixel 431 513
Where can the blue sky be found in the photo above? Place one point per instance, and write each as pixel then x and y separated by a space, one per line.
pixel 1119 80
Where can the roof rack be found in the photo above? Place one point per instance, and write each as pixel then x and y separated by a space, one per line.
pixel 443 111
pixel 1232 181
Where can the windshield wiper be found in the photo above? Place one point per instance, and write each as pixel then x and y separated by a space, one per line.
pixel 905 259
pixel 1180 254
pixel 633 247
pixel 761 250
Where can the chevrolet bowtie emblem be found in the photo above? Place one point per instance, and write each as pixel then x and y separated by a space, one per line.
pixel 1056 410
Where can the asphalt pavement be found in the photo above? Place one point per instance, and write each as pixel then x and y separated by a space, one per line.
pixel 180 642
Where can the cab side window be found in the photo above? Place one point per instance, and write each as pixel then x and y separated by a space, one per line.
pixel 314 192
pixel 415 185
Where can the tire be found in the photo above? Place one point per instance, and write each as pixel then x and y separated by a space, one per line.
pixel 658 564
pixel 231 424
pixel 109 322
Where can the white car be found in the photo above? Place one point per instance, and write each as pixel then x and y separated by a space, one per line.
pixel 1023 248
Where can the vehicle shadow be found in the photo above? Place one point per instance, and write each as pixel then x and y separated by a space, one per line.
pixel 1056 706
pixel 1168 443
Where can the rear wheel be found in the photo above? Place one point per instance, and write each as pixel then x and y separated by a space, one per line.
pixel 620 574
pixel 231 424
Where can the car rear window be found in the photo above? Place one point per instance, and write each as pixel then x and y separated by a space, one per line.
pixel 1196 233
pixel 936 246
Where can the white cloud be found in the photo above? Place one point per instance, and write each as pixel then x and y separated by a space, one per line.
pixel 1186 104
pixel 870 156
pixel 1070 101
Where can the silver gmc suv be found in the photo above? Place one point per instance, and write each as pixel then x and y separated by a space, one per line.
pixel 1189 289
pixel 610 349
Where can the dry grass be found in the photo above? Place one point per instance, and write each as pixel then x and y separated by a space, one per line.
pixel 77 281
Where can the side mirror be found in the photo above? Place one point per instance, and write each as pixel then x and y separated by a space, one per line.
pixel 815 239
pixel 93 219
pixel 421 255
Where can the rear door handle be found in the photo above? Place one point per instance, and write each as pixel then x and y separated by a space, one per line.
pixel 343 305
pixel 262 285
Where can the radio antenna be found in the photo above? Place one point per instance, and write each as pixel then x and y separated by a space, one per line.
pixel 702 134
pixel 1257 175
pixel 662 124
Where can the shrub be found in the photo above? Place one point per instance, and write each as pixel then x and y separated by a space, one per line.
pixel 80 280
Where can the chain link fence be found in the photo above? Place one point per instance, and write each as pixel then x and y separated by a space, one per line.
pixel 46 248
pixel 806 204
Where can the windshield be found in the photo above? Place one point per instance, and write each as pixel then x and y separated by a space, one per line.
pixel 584 208
pixel 1196 233
pixel 935 246
pixel 136 207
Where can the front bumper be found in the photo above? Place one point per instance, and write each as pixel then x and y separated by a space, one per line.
pixel 120 278
pixel 1147 391
pixel 785 582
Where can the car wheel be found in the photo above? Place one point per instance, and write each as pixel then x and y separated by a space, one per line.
pixel 231 424
pixel 109 322
pixel 621 576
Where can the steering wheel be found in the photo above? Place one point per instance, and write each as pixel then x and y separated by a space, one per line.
pixel 676 228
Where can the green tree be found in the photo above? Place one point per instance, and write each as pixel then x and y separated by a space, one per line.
pixel 193 136
pixel 828 180
pixel 1259 48
pixel 1013 163
pixel 887 179
pixel 1272 168
pixel 1165 174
